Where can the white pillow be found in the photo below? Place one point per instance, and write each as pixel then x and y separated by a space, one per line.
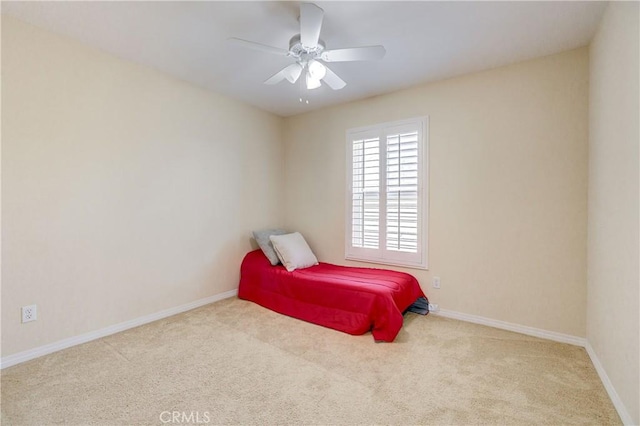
pixel 293 251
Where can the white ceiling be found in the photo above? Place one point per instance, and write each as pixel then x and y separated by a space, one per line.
pixel 425 41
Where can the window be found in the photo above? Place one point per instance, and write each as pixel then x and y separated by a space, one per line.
pixel 387 198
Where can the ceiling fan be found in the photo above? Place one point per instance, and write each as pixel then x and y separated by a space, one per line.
pixel 309 52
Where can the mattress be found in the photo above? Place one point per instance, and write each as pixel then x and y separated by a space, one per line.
pixel 349 299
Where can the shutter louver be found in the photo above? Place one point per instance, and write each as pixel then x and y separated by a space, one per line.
pixel 365 199
pixel 402 192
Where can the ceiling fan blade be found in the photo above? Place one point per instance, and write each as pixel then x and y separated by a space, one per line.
pixel 332 80
pixel 291 73
pixel 258 46
pixel 310 24
pixel 367 53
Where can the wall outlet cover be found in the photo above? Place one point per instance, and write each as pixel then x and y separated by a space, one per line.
pixel 436 282
pixel 29 313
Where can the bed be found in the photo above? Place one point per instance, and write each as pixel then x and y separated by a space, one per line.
pixel 348 299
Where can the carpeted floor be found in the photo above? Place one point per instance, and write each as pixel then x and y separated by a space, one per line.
pixel 234 362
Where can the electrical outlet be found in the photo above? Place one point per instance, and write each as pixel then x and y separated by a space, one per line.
pixel 29 313
pixel 436 282
pixel 433 307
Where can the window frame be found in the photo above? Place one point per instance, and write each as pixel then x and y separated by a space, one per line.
pixel 382 255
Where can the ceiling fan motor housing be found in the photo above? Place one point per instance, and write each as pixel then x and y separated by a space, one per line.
pixel 304 53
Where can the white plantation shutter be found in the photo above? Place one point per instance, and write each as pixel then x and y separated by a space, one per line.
pixel 402 192
pixel 387 200
pixel 366 193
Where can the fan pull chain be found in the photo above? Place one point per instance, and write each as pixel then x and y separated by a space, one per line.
pixel 301 87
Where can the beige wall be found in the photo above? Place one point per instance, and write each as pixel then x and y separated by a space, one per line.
pixel 508 187
pixel 613 281
pixel 124 191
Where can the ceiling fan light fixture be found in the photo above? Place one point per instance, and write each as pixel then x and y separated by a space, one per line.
pixel 312 83
pixel 317 70
pixel 293 76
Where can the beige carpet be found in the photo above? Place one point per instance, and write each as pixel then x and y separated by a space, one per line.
pixel 234 362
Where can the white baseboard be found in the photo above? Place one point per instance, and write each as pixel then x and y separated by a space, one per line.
pixel 27 355
pixel 523 329
pixel 615 398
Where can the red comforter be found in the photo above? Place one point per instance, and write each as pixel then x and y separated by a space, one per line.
pixel 352 300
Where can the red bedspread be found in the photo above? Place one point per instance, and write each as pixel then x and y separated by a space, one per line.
pixel 352 300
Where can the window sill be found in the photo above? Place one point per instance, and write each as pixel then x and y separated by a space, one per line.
pixel 389 263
